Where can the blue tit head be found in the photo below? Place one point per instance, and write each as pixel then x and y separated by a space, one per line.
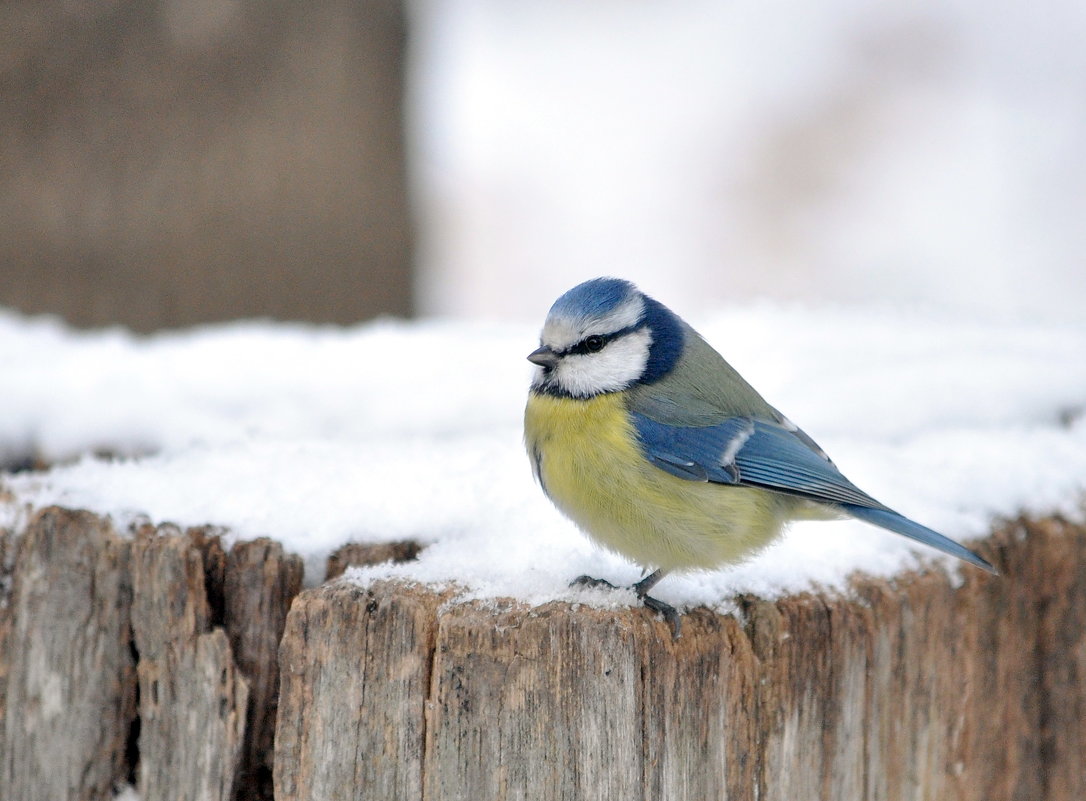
pixel 605 335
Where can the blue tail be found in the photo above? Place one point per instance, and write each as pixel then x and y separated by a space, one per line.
pixel 892 521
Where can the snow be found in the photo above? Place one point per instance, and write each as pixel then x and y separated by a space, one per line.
pixel 317 436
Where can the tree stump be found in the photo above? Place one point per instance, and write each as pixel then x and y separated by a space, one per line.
pixel 152 658
pixel 916 688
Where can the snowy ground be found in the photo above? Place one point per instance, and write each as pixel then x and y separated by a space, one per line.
pixel 317 436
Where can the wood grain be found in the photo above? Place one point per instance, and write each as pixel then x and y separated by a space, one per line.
pixel 927 687
pixel 260 580
pixel 355 677
pixel 192 697
pixel 66 669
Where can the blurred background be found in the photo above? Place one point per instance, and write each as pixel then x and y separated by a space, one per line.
pixel 170 162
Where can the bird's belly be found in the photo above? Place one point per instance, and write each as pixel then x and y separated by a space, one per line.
pixel 590 464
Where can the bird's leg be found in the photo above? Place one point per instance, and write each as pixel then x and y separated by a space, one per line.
pixel 647 583
pixel 670 613
pixel 641 590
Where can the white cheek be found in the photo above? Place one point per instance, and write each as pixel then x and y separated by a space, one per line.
pixel 615 367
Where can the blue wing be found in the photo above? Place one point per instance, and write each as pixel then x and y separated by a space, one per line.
pixel 745 451
pixel 750 452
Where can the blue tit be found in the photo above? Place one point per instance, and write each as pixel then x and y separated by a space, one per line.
pixel 643 435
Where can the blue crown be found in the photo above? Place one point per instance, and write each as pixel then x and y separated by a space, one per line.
pixel 593 298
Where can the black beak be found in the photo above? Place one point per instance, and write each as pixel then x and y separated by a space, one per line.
pixel 544 357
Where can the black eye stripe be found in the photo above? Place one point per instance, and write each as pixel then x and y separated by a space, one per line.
pixel 583 347
pixel 592 344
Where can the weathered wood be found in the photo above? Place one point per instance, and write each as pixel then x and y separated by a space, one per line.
pixel 1061 656
pixel 7 572
pixel 192 698
pixel 529 705
pixel 355 678
pixel 856 697
pixel 922 688
pixel 356 554
pixel 260 581
pixel 1032 634
pixel 697 709
pixel 65 665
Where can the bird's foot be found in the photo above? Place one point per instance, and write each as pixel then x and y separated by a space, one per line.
pixel 594 583
pixel 641 589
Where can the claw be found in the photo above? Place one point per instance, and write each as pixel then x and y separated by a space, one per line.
pixel 588 581
pixel 669 612
pixel 641 589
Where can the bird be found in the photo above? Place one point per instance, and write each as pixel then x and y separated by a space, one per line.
pixel 641 433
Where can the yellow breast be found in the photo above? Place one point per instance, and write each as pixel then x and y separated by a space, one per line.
pixel 589 461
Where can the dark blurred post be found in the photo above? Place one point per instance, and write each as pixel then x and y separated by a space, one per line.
pixel 169 162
